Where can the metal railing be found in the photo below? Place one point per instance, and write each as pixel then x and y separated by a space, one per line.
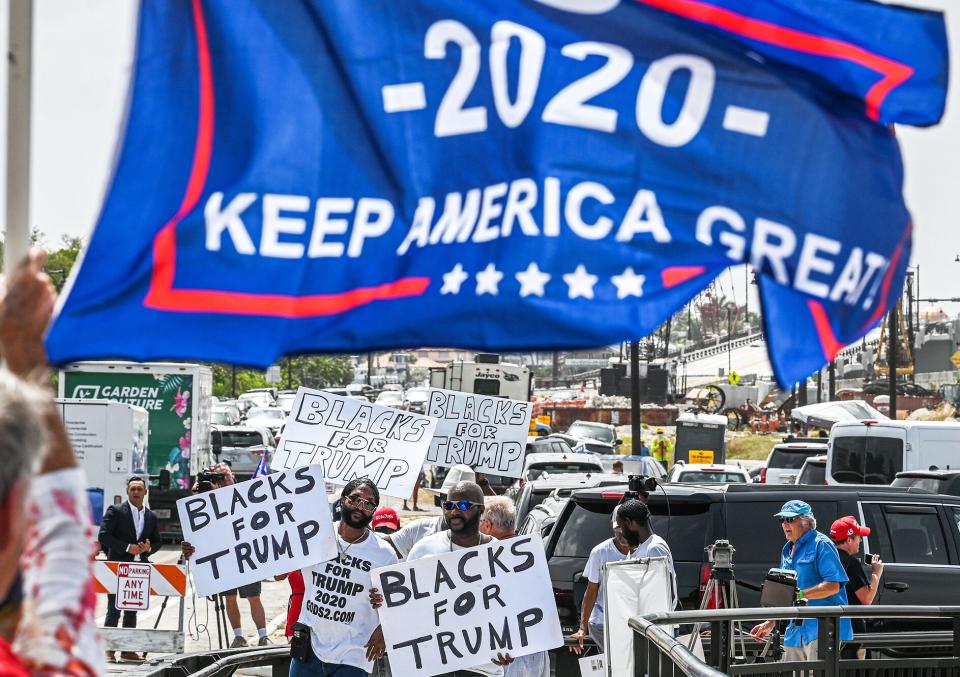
pixel 216 663
pixel 658 654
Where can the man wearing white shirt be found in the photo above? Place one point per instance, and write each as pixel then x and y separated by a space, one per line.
pixel 633 520
pixel 128 531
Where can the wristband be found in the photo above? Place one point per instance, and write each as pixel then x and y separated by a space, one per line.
pixel 799 595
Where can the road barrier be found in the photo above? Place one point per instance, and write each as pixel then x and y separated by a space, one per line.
pixel 166 580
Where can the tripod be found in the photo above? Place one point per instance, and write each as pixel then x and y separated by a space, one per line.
pixel 722 591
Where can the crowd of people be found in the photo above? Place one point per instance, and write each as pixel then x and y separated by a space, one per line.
pixel 45 530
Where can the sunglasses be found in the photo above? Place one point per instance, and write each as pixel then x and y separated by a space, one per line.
pixel 361 503
pixel 462 506
pixel 788 520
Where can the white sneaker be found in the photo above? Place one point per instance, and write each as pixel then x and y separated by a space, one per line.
pixel 238 643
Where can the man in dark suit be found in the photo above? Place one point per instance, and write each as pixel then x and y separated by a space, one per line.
pixel 127 531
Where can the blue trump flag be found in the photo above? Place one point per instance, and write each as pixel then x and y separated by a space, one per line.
pixel 335 176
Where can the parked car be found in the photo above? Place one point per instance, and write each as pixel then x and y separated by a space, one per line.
pixel 224 415
pixel 813 471
pixel 242 447
pixel 599 438
pixel 367 391
pixel 532 494
pixel 547 444
pixel 258 397
pixel 536 466
pixel 417 399
pixel 633 465
pixel 271 418
pixel 934 481
pixel 785 460
pixel 542 518
pixel 873 452
pixel 392 398
pixel 285 400
pixel 915 533
pixel 701 473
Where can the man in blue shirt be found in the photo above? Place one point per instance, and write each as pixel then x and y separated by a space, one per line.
pixel 820 580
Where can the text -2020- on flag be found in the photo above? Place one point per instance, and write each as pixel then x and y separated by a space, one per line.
pixel 340 176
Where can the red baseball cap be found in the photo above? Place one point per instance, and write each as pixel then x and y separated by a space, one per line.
pixel 385 517
pixel 845 527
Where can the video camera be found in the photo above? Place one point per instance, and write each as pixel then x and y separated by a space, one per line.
pixel 720 554
pixel 211 476
pixel 638 485
pixel 779 588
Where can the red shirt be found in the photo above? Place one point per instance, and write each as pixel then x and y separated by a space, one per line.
pixel 295 579
pixel 10 665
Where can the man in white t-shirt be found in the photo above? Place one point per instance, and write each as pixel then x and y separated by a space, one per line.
pixel 591 609
pixel 462 511
pixel 633 520
pixel 412 533
pixel 345 633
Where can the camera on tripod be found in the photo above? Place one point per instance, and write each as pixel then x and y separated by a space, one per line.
pixel 720 554
pixel 639 486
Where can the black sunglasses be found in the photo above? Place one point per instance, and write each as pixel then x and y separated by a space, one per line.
pixel 462 506
pixel 789 520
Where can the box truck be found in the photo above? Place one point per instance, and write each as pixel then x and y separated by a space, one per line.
pixel 177 398
pixel 110 441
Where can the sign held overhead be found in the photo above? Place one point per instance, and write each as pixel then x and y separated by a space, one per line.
pixel 484 432
pixel 351 439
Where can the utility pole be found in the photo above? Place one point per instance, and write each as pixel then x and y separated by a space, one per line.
pixel 19 66
pixel 555 369
pixel 635 427
pixel 893 357
pixel 832 380
pixel 369 366
pixel 233 381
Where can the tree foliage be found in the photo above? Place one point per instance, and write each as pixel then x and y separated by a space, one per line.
pixel 311 371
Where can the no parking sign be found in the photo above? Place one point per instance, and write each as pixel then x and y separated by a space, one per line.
pixel 133 586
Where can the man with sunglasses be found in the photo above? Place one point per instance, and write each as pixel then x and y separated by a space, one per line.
pixel 820 580
pixel 345 633
pixel 462 511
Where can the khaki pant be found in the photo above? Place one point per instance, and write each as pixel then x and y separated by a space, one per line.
pixel 807 652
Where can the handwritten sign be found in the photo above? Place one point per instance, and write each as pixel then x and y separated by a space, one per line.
pixel 253 530
pixel 350 439
pixel 460 609
pixel 133 586
pixel 487 433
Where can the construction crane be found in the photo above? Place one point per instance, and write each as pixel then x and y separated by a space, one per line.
pixel 904 356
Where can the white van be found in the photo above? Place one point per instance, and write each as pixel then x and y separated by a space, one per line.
pixel 873 452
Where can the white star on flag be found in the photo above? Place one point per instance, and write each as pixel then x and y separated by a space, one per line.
pixel 453 280
pixel 629 284
pixel 580 283
pixel 488 279
pixel 532 280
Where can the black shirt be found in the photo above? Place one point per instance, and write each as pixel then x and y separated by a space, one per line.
pixel 857 579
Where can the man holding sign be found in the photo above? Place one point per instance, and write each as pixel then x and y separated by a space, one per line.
pixel 339 634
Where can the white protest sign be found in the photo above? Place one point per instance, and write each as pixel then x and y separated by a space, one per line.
pixel 460 609
pixel 631 588
pixel 484 432
pixel 351 439
pixel 133 586
pixel 592 666
pixel 253 530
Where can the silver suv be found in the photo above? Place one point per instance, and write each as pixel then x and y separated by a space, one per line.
pixel 786 459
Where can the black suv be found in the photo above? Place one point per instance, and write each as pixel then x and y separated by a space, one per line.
pixel 917 534
pixel 935 481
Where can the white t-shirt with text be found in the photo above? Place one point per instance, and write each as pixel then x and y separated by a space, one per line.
pixel 336 601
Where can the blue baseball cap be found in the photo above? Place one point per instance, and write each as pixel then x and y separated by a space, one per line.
pixel 795 509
